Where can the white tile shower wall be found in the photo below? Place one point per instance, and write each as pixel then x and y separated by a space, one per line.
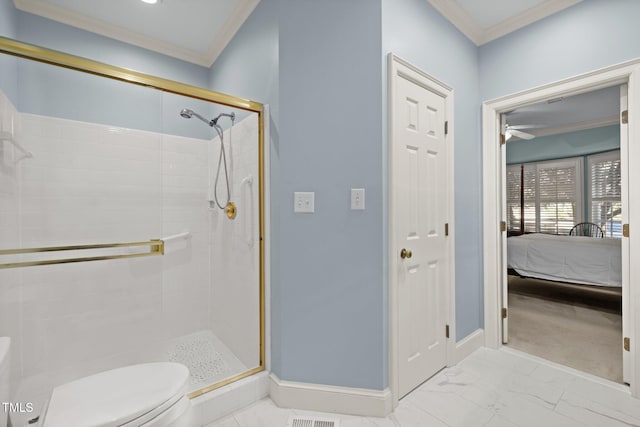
pixel 10 228
pixel 90 183
pixel 235 263
pixel 186 284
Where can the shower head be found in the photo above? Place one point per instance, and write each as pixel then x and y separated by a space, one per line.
pixel 187 114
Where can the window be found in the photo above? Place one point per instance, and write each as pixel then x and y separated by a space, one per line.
pixel 552 196
pixel 605 205
pixel 514 195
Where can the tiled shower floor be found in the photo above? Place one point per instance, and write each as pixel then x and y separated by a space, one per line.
pixel 208 359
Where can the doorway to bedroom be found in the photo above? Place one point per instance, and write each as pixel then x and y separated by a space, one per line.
pixel 497 313
pixel 494 205
pixel 564 225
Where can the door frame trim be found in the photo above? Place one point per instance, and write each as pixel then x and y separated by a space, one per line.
pixel 627 72
pixel 396 66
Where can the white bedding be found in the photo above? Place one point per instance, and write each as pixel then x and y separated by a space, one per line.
pixel 574 259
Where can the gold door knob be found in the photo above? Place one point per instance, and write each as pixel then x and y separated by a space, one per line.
pixel 404 253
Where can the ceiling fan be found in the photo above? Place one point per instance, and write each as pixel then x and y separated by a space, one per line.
pixel 511 131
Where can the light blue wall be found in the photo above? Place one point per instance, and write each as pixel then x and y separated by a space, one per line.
pixel 7 19
pixel 317 65
pixel 59 92
pixel 590 35
pixel 571 144
pixel 248 67
pixel 332 322
pixel 416 32
pixel 8 64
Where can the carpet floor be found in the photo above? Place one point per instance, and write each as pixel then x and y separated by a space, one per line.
pixel 576 328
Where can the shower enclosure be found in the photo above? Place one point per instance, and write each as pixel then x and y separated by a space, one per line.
pixel 113 250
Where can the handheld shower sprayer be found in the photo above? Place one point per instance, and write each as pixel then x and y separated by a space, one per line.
pixel 187 114
pixel 229 206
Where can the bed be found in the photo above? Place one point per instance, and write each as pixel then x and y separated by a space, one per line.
pixel 573 259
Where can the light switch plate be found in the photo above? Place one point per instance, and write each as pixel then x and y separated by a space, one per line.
pixel 304 202
pixel 357 198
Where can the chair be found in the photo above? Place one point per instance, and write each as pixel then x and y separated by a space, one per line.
pixel 586 229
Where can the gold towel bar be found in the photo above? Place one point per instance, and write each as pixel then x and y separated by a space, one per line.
pixel 156 247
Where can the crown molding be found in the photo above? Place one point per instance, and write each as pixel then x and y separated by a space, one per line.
pixel 65 16
pixel 231 26
pixel 525 18
pixel 460 19
pixel 464 22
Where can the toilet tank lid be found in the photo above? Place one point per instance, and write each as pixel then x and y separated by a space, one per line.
pixel 115 397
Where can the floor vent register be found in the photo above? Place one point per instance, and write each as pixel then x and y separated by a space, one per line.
pixel 298 421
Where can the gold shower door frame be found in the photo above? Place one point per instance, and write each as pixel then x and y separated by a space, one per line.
pixel 60 59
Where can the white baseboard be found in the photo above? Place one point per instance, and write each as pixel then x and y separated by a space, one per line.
pixel 469 344
pixel 324 398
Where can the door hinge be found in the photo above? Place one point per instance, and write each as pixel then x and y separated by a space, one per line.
pixel 446 127
pixel 625 117
pixel 446 331
pixel 503 139
pixel 627 344
pixel 504 313
pixel 625 230
pixel 503 226
pixel 446 229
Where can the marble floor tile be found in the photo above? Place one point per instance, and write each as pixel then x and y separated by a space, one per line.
pixel 591 415
pixel 452 380
pixel 262 414
pixel 499 421
pixel 409 415
pixel 229 421
pixel 453 410
pixel 491 388
pixel 612 397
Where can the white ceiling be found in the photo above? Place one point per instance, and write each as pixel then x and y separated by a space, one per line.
pixel 485 20
pixel 196 31
pixel 585 111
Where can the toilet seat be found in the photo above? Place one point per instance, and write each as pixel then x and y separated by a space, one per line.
pixel 124 397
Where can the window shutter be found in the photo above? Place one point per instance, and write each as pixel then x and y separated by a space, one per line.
pixel 513 198
pixel 552 196
pixel 557 198
pixel 530 180
pixel 605 179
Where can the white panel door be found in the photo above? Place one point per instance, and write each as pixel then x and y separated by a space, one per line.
pixel 420 186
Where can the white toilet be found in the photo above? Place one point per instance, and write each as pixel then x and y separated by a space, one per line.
pixel 146 395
